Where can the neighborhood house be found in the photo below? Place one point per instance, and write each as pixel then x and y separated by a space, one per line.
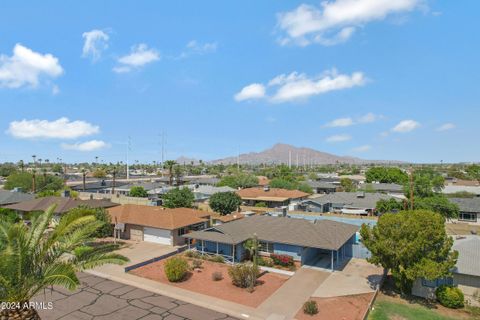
pixel 271 197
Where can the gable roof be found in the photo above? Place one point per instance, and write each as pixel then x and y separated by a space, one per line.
pixel 62 204
pixel 385 187
pixel 352 199
pixel 468 255
pixel 10 197
pixel 270 194
pixel 157 217
pixel 467 204
pixel 324 234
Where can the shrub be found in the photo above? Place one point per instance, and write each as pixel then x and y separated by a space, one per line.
pixel 197 264
pixel 310 307
pixel 217 258
pixel 260 205
pixel 192 254
pixel 243 275
pixel 450 297
pixel 265 261
pixel 217 276
pixel 282 260
pixel 175 269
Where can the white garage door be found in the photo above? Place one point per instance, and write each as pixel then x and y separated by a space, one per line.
pixel 156 235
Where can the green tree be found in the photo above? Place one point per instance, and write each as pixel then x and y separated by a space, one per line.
pixel 439 204
pixel 178 198
pixel 225 202
pixel 106 230
pixel 21 180
pixel 240 180
pixel 57 168
pixel 283 184
pixel 99 173
pixel 426 183
pixel 347 185
pixel 138 192
pixel 411 245
pixel 7 169
pixel 473 171
pixel 386 175
pixel 390 205
pixel 32 259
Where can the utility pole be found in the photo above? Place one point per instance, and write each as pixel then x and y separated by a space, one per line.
pixel 238 159
pixel 84 173
pixel 297 160
pixel 34 189
pixel 289 158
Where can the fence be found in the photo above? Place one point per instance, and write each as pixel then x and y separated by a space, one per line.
pixel 121 199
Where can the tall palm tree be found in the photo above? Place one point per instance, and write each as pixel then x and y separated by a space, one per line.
pixel 32 258
pixel 169 164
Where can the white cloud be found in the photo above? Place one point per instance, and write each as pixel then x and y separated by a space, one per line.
pixel 298 86
pixel 95 41
pixel 27 67
pixel 91 145
pixel 336 21
pixel 62 128
pixel 338 138
pixel 139 56
pixel 406 126
pixel 446 127
pixel 340 122
pixel 252 91
pixel 363 148
pixel 195 47
pixel 55 90
pixel 348 121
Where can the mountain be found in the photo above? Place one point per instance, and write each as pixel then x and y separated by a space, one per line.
pixel 280 153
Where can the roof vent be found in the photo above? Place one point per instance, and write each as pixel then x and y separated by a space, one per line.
pixel 266 188
pixel 361 194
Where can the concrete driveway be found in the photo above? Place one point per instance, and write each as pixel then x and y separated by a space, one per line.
pixel 142 251
pixel 102 299
pixel 357 277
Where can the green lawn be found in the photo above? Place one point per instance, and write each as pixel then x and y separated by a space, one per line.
pixel 388 310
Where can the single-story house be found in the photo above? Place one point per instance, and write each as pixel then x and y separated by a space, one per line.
pixel 362 203
pixel 390 188
pixel 469 209
pixel 324 243
pixel 322 187
pixel 465 275
pixel 157 224
pixel 204 192
pixel 272 197
pixel 449 189
pixel 12 196
pixel 63 204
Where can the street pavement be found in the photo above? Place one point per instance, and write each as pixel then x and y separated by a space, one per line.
pixel 102 299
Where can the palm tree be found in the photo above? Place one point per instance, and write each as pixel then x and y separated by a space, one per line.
pixel 32 258
pixel 169 164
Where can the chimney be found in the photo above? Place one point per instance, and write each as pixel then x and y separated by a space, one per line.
pixel 266 188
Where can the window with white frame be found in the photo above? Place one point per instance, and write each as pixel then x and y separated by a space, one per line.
pixel 265 247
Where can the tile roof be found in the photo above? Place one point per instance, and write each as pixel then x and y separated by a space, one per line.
pixel 270 194
pixel 228 218
pixel 468 255
pixel 157 217
pixel 62 204
pixel 9 197
pixel 324 234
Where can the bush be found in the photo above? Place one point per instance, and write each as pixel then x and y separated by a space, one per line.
pixel 450 297
pixel 282 260
pixel 192 254
pixel 217 276
pixel 310 307
pixel 260 205
pixel 243 275
pixel 217 258
pixel 197 264
pixel 265 261
pixel 175 269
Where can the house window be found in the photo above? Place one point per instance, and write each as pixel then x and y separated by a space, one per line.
pixel 466 216
pixel 266 247
pixel 438 282
pixel 182 231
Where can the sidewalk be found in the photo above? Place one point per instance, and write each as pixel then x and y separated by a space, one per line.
pixel 286 301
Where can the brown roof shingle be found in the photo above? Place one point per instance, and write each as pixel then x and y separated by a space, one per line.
pixel 157 217
pixel 62 204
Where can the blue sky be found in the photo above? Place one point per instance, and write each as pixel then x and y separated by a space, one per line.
pixel 374 79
